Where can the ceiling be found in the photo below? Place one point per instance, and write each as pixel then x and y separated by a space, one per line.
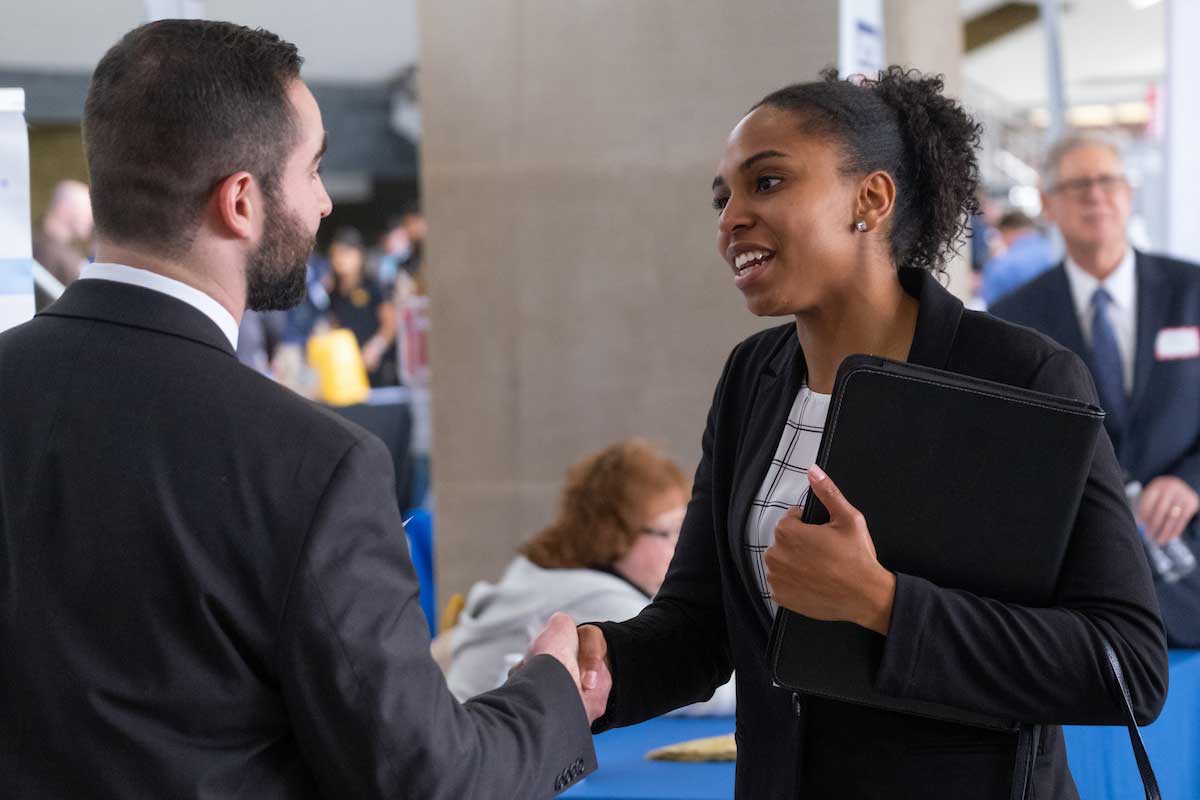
pixel 346 40
pixel 1112 51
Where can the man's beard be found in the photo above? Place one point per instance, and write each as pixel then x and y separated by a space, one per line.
pixel 276 271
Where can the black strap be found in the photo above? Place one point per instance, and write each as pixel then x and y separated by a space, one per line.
pixel 1027 745
pixel 1028 736
pixel 1149 782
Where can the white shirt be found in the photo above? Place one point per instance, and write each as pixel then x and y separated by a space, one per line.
pixel 1121 285
pixel 786 483
pixel 168 286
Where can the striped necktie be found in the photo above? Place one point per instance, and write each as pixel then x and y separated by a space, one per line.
pixel 1106 361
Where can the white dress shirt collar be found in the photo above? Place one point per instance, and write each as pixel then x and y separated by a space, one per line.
pixel 1121 285
pixel 168 286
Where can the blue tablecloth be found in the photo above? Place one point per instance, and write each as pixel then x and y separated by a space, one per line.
pixel 625 773
pixel 1100 758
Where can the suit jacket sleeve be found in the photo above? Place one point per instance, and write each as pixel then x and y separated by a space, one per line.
pixel 370 709
pixel 1042 665
pixel 676 652
pixel 1187 468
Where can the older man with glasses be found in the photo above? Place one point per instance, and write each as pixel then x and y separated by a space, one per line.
pixel 1135 320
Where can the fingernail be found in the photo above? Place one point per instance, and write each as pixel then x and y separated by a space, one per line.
pixel 589 679
pixel 815 473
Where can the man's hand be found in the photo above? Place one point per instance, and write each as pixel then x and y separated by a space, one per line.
pixel 830 572
pixel 596 674
pixel 577 648
pixel 558 639
pixel 1166 507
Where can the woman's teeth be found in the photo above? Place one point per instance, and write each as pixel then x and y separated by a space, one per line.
pixel 749 259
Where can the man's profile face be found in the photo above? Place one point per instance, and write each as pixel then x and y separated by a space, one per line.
pixel 275 271
pixel 1090 199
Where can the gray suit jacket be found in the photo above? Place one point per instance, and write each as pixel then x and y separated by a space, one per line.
pixel 206 588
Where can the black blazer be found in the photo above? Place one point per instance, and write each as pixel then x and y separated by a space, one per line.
pixel 206 591
pixel 1035 665
pixel 1162 435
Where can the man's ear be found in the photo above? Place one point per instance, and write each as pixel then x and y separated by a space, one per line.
pixel 237 204
pixel 1047 207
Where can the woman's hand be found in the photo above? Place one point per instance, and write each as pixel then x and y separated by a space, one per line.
pixel 830 572
pixel 595 672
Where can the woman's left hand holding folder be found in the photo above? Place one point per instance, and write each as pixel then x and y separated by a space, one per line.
pixel 830 572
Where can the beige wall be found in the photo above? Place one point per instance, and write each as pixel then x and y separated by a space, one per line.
pixel 577 297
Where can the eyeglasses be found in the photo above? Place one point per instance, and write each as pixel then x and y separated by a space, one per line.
pixel 1078 188
pixel 662 533
pixel 666 525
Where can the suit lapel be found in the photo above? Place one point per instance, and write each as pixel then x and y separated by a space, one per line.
pixel 938 315
pixel 1152 304
pixel 1061 322
pixel 774 392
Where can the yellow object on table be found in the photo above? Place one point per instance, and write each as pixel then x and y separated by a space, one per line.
pixel 712 748
pixel 335 357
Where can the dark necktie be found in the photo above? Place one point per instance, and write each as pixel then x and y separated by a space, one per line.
pixel 1106 361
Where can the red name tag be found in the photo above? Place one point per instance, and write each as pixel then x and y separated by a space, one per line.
pixel 1173 344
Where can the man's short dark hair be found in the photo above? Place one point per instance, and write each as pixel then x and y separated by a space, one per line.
pixel 1015 220
pixel 175 107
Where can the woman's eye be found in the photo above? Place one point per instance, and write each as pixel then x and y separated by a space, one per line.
pixel 719 203
pixel 766 183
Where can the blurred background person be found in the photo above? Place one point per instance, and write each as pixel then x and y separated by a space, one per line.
pixel 62 240
pixel 1024 253
pixel 982 238
pixel 1134 318
pixel 359 304
pixel 603 558
pixel 259 335
pixel 401 249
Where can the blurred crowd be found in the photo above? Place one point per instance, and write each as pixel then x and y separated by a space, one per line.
pixel 375 292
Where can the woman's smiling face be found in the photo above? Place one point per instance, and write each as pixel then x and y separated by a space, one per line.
pixel 787 214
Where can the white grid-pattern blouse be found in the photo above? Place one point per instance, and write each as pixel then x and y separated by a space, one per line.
pixel 786 482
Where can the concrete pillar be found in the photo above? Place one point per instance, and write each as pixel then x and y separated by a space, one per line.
pixel 577 296
pixel 928 35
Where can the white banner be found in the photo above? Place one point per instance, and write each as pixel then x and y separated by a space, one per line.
pixel 16 254
pixel 860 37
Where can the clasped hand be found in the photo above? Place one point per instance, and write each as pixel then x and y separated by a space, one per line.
pixel 583 652
pixel 830 572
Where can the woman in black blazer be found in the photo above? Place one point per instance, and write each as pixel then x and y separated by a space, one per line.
pixel 838 203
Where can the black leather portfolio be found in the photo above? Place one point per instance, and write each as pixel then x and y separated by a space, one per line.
pixel 971 484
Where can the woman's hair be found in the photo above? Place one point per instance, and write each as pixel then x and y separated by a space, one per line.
pixel 900 123
pixel 601 501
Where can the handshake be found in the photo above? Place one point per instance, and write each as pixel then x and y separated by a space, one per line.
pixel 584 653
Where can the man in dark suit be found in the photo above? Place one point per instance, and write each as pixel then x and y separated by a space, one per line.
pixel 205 588
pixel 1134 318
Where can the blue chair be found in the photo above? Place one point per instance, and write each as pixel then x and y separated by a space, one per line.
pixel 419 529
